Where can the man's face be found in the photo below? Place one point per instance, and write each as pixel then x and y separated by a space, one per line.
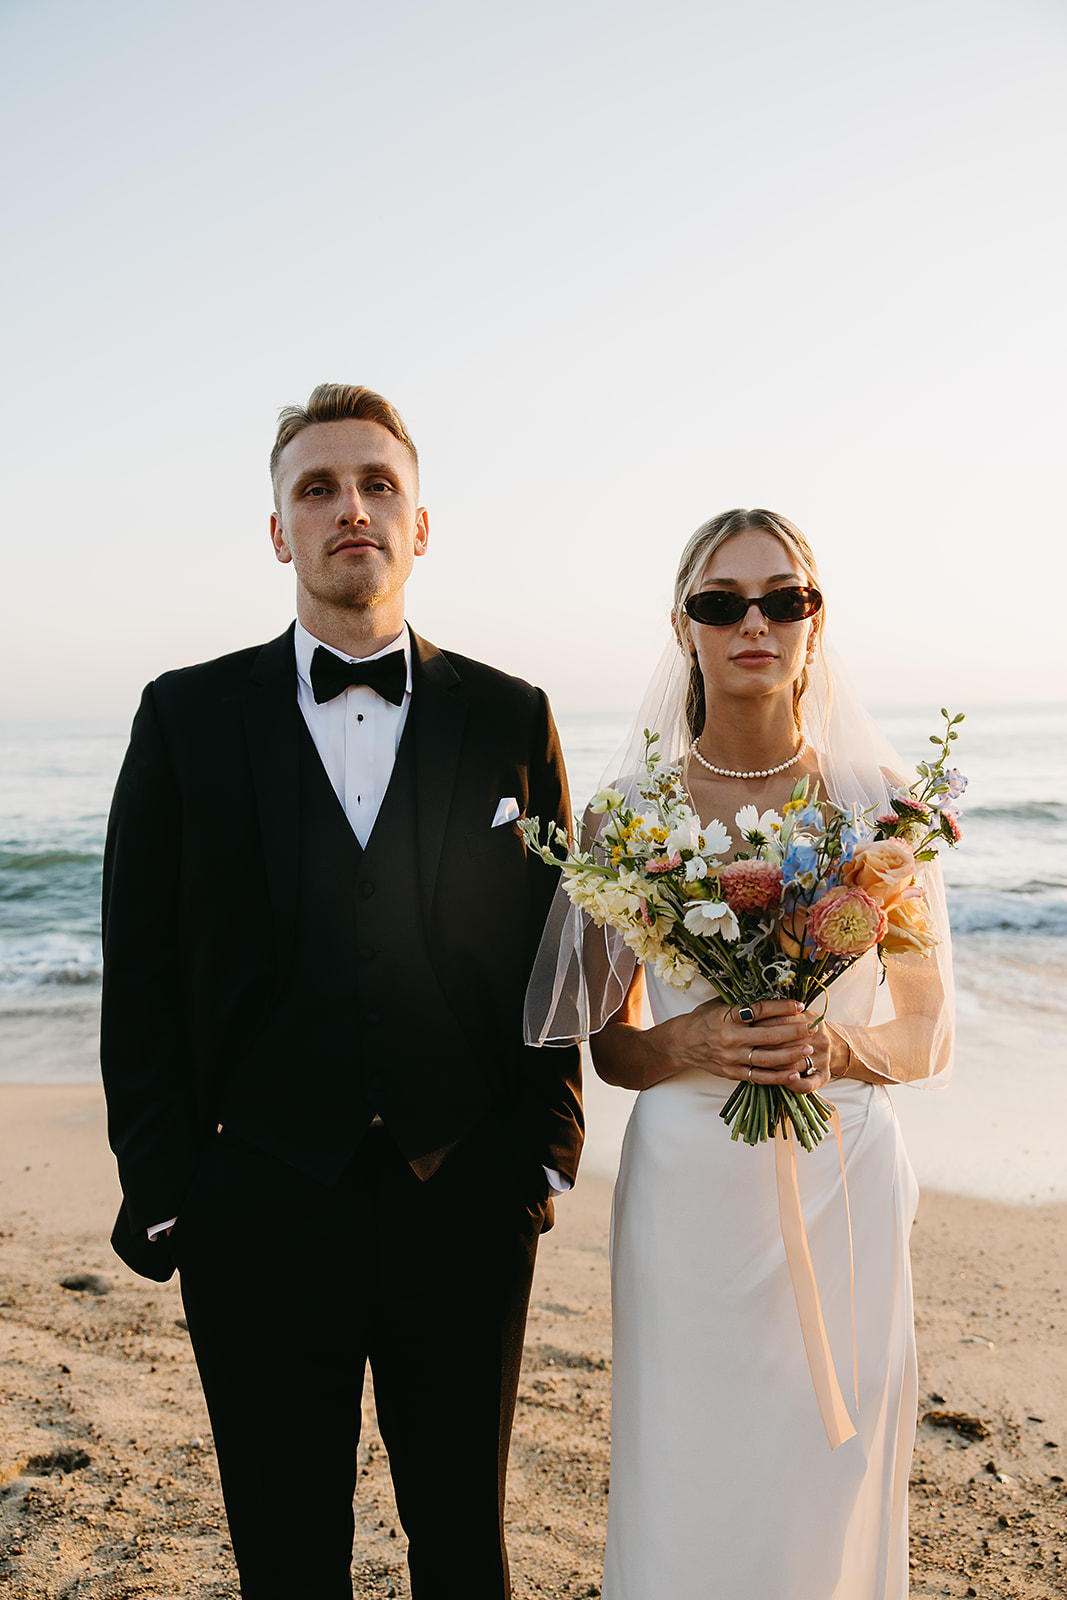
pixel 348 516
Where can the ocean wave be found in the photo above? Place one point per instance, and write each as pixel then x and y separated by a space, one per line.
pixel 45 860
pixel 1054 811
pixel 49 959
pixel 1019 911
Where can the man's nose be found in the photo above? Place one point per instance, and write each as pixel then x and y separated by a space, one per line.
pixel 351 512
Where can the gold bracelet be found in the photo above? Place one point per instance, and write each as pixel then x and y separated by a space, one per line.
pixel 848 1063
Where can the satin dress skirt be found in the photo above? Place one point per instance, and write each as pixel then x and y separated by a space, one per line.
pixel 723 1485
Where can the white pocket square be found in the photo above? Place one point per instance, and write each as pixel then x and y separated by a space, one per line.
pixel 507 810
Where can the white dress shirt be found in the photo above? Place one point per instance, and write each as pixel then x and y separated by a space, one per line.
pixel 357 734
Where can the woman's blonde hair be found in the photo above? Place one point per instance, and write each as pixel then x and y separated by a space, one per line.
pixel 704 542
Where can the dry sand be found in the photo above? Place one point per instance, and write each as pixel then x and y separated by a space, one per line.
pixel 107 1476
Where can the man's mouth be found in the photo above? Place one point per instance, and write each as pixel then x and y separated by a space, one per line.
pixel 355 544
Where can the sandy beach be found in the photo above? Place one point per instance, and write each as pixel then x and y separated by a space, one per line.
pixel 108 1485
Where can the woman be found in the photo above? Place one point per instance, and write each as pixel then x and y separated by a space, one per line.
pixel 723 1484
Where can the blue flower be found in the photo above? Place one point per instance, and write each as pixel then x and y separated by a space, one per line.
pixel 853 835
pixel 801 860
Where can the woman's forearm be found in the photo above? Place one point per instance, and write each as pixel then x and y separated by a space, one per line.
pixel 634 1058
pixel 845 1063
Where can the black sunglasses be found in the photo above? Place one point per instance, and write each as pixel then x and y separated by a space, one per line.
pixel 719 608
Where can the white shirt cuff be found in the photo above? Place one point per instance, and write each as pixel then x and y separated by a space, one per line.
pixel 161 1227
pixel 556 1182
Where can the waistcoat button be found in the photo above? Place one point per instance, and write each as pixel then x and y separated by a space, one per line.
pixel 372 1017
pixel 366 888
pixel 366 952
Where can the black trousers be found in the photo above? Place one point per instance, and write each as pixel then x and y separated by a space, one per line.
pixel 290 1288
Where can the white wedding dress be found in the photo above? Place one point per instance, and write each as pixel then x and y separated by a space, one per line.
pixel 723 1484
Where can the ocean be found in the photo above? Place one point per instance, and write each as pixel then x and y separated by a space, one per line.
pixel 993 1133
pixel 1007 883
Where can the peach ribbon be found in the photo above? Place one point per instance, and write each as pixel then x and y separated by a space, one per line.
pixel 835 1417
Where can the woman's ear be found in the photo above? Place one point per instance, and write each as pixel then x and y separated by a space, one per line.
pixel 683 636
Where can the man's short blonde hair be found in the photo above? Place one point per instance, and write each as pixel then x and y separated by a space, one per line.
pixel 338 402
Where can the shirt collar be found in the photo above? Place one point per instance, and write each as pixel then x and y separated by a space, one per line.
pixel 306 645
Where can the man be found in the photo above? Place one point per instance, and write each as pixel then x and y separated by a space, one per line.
pixel 319 919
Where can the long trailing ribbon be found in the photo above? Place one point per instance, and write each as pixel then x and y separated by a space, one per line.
pixel 835 1417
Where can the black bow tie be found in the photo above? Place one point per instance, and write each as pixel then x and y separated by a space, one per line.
pixel 330 676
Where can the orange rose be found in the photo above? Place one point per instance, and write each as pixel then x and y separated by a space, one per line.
pixel 883 870
pixel 792 929
pixel 909 931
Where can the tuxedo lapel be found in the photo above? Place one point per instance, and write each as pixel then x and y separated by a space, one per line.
pixel 272 728
pixel 441 715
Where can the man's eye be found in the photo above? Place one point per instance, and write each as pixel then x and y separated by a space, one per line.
pixel 380 485
pixel 317 490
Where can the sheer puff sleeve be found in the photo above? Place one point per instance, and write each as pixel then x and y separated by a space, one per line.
pixel 915 1044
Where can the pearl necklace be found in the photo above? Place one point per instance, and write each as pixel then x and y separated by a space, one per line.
pixel 726 772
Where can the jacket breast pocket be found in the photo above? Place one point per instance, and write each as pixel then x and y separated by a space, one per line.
pixel 503 842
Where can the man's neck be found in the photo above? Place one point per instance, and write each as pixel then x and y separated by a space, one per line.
pixel 353 633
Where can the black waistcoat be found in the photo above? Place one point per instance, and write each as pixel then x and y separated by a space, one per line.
pixel 361 1027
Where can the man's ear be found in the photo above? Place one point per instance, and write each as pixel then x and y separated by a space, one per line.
pixel 278 540
pixel 422 531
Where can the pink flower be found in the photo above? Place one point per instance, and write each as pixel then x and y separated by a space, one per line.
pixel 950 827
pixel 751 885
pixel 846 922
pixel 664 864
pixel 906 806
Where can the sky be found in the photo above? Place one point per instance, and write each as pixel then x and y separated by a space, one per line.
pixel 618 266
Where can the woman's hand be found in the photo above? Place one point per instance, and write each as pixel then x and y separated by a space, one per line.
pixel 769 1042
pixel 831 1057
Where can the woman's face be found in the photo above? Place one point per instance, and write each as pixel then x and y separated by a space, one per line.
pixel 753 657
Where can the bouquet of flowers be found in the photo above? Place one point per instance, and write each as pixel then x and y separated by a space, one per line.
pixel 816 888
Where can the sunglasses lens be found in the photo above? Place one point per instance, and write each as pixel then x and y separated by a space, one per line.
pixel 790 605
pixel 716 608
pixel 720 608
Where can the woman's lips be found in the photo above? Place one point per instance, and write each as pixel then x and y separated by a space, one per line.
pixel 754 656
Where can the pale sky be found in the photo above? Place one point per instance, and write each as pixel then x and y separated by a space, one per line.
pixel 619 267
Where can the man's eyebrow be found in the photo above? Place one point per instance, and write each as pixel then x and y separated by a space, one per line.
pixel 310 474
pixel 372 469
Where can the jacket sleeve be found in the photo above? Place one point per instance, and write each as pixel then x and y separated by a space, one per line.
pixel 553 1077
pixel 143 1054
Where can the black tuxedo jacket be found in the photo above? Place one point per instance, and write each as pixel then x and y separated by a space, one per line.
pixel 201 887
